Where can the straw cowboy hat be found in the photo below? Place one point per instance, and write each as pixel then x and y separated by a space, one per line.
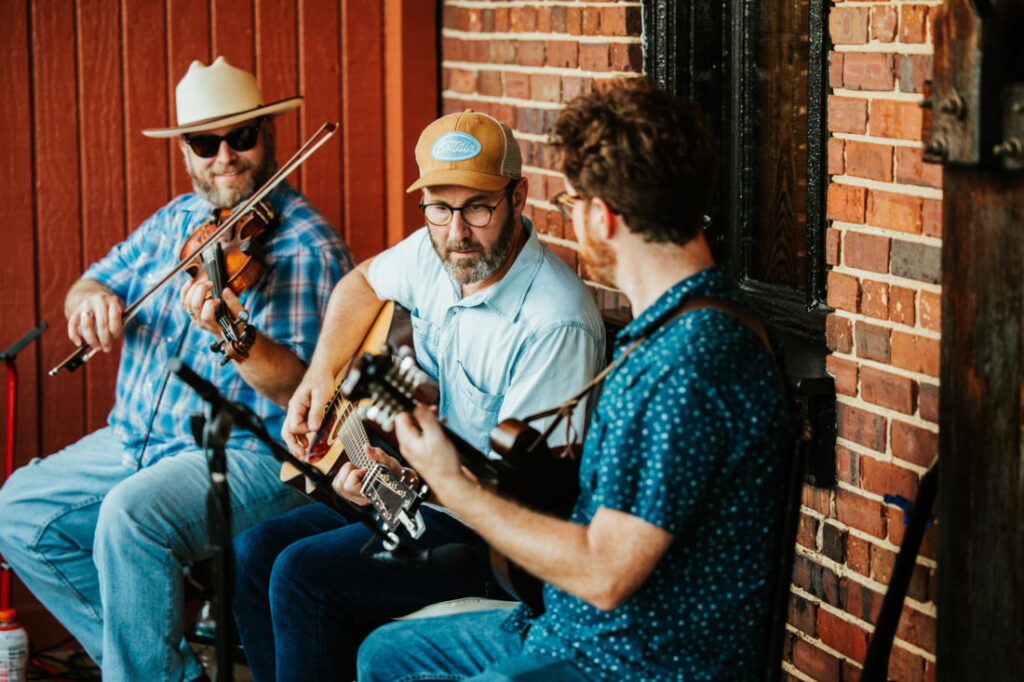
pixel 218 95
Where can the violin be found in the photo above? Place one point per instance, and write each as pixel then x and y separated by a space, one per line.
pixel 211 239
pixel 236 262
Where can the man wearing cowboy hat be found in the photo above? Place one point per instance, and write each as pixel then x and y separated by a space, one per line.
pixel 503 326
pixel 100 530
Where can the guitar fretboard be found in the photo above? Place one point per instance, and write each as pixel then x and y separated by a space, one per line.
pixel 352 435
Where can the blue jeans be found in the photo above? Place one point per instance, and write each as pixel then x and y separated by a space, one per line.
pixel 306 595
pixel 467 646
pixel 102 546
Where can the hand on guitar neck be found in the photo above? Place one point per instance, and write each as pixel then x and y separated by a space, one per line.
pixel 341 444
pixel 351 477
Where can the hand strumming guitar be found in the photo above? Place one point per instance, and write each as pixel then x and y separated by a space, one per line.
pixel 306 410
pixel 426 447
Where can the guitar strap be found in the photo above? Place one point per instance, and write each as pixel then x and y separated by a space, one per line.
pixel 565 410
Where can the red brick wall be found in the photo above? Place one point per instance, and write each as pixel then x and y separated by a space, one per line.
pixel 520 61
pixel 883 246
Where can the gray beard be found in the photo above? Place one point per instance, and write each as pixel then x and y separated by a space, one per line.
pixel 485 264
pixel 204 185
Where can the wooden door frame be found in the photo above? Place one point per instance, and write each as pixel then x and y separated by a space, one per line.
pixel 977 106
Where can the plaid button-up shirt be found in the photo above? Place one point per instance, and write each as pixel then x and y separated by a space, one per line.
pixel 305 258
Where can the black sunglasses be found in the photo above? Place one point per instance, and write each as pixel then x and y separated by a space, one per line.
pixel 239 139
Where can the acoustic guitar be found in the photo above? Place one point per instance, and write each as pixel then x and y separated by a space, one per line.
pixel 343 433
pixel 524 468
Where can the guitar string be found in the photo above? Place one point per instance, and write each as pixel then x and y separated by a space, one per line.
pixel 353 437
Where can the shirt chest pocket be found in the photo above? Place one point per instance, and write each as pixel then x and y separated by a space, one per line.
pixel 470 411
pixel 466 391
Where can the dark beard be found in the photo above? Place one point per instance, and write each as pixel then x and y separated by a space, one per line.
pixel 598 259
pixel 204 185
pixel 484 264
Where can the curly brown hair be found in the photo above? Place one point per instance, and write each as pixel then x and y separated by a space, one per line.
pixel 648 154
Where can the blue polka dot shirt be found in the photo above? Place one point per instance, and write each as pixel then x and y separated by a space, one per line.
pixel 687 435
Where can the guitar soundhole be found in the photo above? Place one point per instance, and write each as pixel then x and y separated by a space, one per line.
pixel 332 435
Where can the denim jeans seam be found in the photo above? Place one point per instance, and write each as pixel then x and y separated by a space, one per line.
pixel 169 652
pixel 71 586
pixel 44 526
pixel 276 494
pixel 180 529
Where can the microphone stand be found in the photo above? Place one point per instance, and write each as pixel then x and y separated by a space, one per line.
pixel 212 435
pixel 8 356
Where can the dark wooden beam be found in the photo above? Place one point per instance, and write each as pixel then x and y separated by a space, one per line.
pixel 980 633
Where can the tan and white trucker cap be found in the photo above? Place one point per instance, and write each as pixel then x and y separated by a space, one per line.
pixel 468 149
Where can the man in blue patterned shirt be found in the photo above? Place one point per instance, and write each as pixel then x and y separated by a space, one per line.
pixel 662 570
pixel 99 531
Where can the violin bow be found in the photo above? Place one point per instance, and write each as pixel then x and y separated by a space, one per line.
pixel 85 351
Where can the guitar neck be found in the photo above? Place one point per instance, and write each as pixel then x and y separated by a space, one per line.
pixel 353 436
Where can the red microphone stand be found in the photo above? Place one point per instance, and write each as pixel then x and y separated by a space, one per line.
pixel 12 381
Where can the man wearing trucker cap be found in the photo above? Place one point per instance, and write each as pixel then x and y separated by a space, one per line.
pixel 503 326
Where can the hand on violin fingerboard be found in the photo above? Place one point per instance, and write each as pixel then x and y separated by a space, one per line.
pixel 201 307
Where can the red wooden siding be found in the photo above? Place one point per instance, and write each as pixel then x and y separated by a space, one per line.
pixel 76 175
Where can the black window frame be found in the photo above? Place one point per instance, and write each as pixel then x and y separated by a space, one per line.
pixel 709 52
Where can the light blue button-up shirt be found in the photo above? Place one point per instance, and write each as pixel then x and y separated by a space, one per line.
pixel 526 343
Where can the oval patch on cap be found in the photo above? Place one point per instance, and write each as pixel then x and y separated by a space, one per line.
pixel 455 147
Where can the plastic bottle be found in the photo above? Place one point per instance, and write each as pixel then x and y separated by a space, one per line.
pixel 13 648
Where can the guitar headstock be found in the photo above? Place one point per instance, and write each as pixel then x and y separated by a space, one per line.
pixel 389 382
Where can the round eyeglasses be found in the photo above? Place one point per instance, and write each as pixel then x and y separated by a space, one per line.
pixel 474 215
